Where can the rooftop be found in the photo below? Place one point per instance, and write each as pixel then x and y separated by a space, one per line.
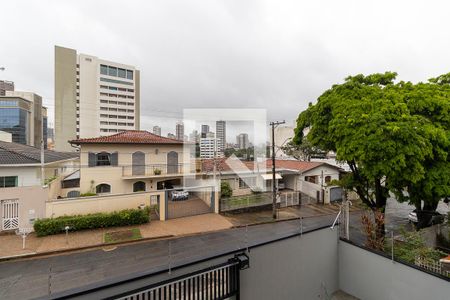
pixel 14 153
pixel 227 164
pixel 129 137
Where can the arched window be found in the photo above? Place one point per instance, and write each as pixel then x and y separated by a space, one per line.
pixel 172 162
pixel 103 159
pixel 138 163
pixel 139 186
pixel 327 179
pixel 103 188
pixel 73 194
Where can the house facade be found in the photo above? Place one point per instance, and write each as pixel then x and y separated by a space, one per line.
pixel 26 183
pixel 127 162
pixel 313 179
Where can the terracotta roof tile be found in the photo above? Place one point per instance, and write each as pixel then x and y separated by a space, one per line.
pixel 222 166
pixel 128 137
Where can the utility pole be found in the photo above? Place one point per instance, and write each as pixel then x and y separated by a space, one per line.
pixel 42 163
pixel 274 186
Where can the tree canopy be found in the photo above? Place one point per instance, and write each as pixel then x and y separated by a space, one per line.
pixel 394 136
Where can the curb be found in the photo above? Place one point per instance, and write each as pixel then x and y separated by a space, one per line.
pixel 92 247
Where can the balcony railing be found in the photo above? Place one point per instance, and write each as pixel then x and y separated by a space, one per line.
pixel 157 170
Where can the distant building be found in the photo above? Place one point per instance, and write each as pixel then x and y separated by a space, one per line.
pixel 179 131
pixel 210 134
pixel 242 141
pixel 5 136
pixel 157 130
pixel 6 86
pixel 194 137
pixel 208 147
pixel 205 130
pixel 283 135
pixel 221 135
pixel 171 136
pixel 93 97
pixel 22 115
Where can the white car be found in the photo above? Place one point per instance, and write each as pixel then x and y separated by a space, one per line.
pixel 180 195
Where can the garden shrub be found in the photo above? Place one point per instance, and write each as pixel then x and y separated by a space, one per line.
pixel 49 226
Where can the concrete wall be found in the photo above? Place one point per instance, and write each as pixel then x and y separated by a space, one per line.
pixel 370 276
pixel 95 204
pixel 295 268
pixel 65 97
pixel 31 203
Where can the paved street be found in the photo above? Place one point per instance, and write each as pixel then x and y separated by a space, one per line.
pixel 33 278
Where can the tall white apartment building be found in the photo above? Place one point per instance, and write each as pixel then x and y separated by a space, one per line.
pixel 208 147
pixel 93 97
pixel 221 135
pixel 157 130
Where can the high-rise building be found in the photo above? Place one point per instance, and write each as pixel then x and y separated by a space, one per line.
pixel 221 135
pixel 179 131
pixel 6 86
pixel 157 130
pixel 93 97
pixel 205 130
pixel 208 147
pixel 194 137
pixel 22 115
pixel 242 141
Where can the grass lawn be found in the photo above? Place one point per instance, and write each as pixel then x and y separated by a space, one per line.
pixel 122 236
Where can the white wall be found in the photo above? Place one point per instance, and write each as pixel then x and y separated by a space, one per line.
pixel 370 276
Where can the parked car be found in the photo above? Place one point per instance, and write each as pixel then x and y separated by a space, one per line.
pixel 180 195
pixel 436 218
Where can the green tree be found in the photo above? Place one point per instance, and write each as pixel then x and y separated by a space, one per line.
pixel 430 101
pixel 303 151
pixel 368 123
pixel 225 189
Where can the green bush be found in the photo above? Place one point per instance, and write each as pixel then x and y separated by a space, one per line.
pixel 225 189
pixel 44 227
pixel 88 194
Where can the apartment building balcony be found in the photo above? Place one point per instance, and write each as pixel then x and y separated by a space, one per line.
pixel 157 170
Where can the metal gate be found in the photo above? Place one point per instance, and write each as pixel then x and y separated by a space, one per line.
pixel 213 283
pixel 10 214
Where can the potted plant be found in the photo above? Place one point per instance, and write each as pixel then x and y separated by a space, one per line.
pixel 157 171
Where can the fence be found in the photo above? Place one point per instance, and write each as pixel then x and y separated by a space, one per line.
pixel 285 199
pixel 431 265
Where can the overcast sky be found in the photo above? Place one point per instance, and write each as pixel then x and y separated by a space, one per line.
pixel 277 55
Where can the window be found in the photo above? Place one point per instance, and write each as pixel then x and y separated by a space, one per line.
pixel 112 109
pixel 139 186
pixel 103 159
pixel 103 116
pixel 122 73
pixel 73 194
pixel 131 90
pixel 130 97
pixel 103 101
pixel 327 179
pixel 312 179
pixel 129 74
pixel 130 118
pixel 131 110
pixel 112 71
pixel 103 188
pixel 8 181
pixel 242 184
pixel 103 69
pixel 130 103
pixel 122 117
pixel 115 81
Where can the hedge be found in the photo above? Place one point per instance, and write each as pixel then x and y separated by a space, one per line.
pixel 49 226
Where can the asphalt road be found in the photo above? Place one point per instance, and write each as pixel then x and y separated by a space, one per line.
pixel 41 277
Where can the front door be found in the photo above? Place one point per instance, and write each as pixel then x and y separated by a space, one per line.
pixel 10 214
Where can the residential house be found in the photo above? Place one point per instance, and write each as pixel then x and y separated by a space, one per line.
pixel 310 178
pixel 127 162
pixel 24 182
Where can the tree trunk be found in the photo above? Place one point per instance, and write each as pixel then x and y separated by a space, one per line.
pixel 425 214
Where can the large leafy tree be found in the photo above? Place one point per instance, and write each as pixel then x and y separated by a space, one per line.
pixel 431 101
pixel 369 123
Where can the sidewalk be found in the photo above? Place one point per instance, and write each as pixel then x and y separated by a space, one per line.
pixel 11 245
